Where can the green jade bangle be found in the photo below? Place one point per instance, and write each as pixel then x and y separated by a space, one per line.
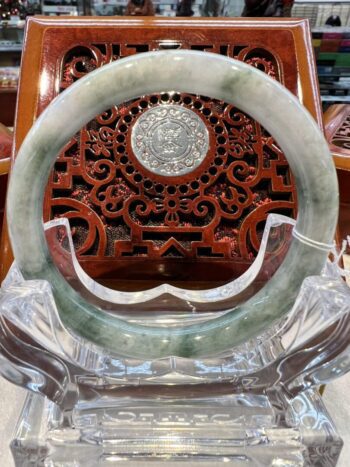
pixel 199 73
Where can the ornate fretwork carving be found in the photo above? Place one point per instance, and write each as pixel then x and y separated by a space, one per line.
pixel 341 137
pixel 119 209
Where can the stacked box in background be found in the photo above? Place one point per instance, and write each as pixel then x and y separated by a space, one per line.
pixel 332 52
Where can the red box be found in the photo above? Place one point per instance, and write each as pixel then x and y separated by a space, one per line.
pixel 332 35
pixel 330 45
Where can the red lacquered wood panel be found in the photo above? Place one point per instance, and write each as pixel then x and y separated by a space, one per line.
pixel 206 225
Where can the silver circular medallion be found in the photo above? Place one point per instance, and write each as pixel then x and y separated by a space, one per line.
pixel 170 140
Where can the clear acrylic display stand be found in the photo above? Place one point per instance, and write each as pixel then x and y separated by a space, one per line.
pixel 256 405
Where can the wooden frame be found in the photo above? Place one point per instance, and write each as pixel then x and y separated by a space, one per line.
pixel 47 38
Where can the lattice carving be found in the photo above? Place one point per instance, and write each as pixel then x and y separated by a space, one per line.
pixel 119 210
pixel 341 137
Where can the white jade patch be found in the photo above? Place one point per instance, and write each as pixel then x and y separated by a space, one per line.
pixel 170 140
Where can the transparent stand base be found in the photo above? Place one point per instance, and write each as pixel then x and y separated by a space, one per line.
pixel 249 430
pixel 255 405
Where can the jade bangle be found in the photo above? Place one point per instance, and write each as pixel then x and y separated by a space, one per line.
pixel 199 73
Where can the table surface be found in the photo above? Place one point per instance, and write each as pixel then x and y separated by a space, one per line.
pixel 336 398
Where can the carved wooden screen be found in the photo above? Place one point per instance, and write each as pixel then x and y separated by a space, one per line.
pixel 129 222
pixel 337 131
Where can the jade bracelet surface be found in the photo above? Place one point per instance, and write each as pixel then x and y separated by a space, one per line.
pixel 199 73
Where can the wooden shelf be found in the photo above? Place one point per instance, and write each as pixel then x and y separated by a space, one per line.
pixel 7 90
pixel 11 48
pixel 343 99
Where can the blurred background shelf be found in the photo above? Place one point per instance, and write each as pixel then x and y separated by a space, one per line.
pixel 11 48
pixel 332 52
pixel 336 99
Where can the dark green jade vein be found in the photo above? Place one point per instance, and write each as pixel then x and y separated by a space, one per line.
pixel 183 71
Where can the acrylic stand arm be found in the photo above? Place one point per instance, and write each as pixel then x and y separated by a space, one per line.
pixel 310 348
pixel 43 373
pixel 31 367
pixel 327 358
